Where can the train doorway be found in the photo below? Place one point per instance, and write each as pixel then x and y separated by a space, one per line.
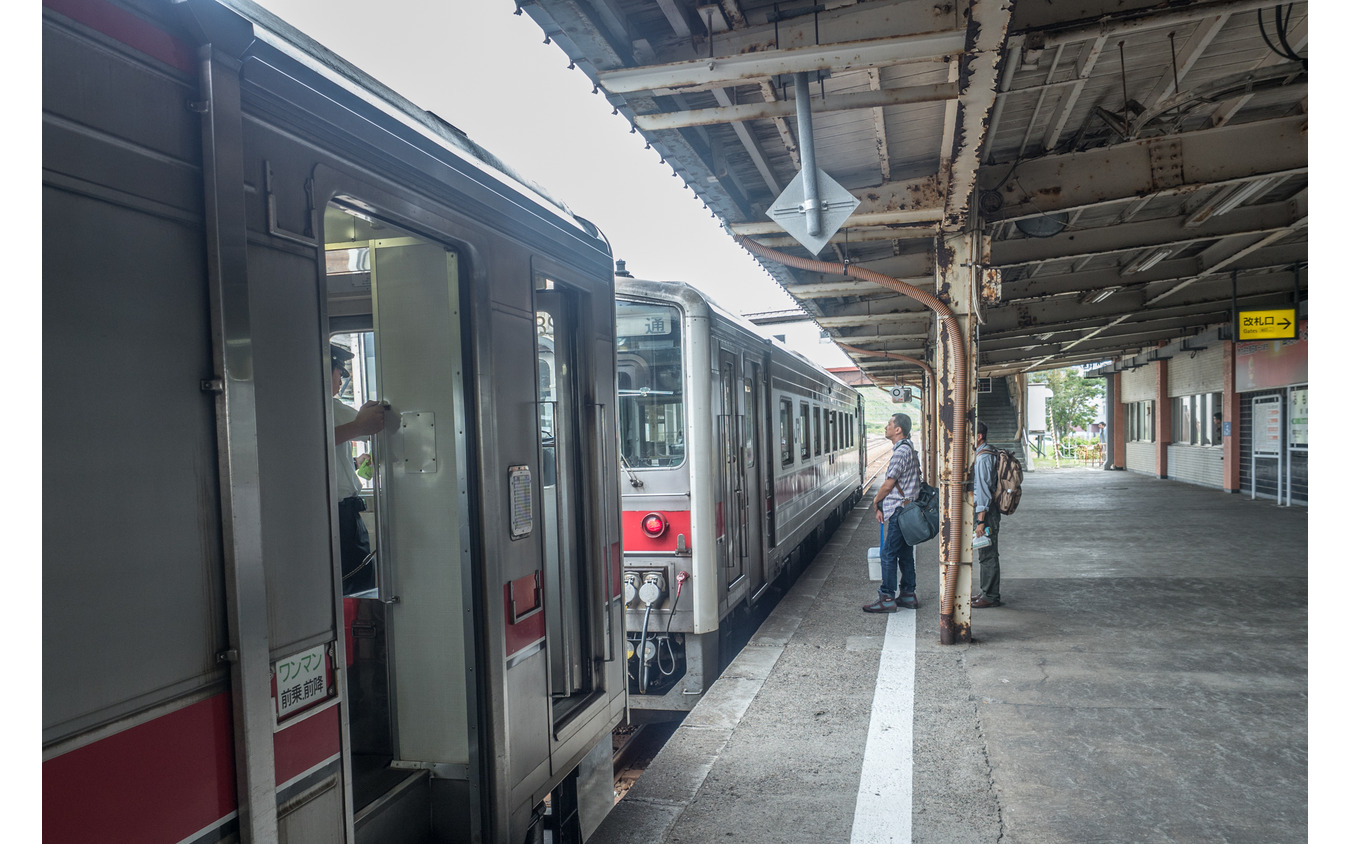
pixel 752 482
pixel 567 594
pixel 731 469
pixel 394 304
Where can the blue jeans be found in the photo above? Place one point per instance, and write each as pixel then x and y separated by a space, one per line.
pixel 896 554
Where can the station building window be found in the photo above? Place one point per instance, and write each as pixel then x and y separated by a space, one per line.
pixel 1139 421
pixel 1193 420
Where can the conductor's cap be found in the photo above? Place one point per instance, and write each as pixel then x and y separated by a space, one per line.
pixel 340 355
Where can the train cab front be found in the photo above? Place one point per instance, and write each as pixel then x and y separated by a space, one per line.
pixel 659 435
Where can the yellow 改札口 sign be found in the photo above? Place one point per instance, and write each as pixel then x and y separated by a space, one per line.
pixel 1281 323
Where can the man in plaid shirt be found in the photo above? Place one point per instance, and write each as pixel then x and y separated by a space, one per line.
pixel 900 486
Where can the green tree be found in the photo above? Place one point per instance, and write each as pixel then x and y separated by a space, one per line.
pixel 1074 403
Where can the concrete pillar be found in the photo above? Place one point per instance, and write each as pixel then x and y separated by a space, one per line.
pixel 1117 425
pixel 1232 415
pixel 1162 418
pixel 957 283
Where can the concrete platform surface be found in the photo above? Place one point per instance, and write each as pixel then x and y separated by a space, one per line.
pixel 1145 681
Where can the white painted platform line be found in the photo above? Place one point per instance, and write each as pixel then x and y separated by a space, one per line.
pixel 886 790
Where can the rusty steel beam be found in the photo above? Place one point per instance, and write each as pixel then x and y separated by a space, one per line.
pixel 1169 232
pixel 728 113
pixel 986 32
pixel 1131 22
pixel 840 289
pixel 763 31
pixel 1129 170
pixel 721 71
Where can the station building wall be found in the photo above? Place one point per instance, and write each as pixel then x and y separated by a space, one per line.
pixel 1190 377
pixel 1227 375
pixel 1138 391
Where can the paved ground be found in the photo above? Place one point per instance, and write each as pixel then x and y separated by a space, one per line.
pixel 1146 681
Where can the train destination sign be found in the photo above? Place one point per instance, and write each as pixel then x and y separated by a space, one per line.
pixel 1277 324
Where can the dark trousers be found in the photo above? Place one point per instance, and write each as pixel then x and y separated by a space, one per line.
pixel 897 560
pixel 988 556
pixel 355 547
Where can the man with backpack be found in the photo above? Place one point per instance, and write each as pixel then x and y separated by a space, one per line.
pixel 987 517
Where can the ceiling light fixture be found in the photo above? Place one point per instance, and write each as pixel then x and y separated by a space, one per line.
pixel 1145 261
pixel 1229 198
pixel 1102 295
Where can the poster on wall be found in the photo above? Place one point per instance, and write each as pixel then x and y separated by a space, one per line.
pixel 1271 364
pixel 1266 426
pixel 1298 418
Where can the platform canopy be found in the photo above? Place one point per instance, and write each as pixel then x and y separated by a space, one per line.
pixel 1136 165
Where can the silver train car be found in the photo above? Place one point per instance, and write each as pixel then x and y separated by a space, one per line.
pixel 223 201
pixel 738 458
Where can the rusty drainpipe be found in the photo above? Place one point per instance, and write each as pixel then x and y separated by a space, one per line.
pixel 955 497
pixel 929 394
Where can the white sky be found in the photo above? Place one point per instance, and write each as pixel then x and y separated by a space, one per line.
pixel 486 70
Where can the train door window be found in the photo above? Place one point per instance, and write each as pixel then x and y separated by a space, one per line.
pixel 751 422
pixel 563 450
pixel 786 444
pixel 815 418
pixel 651 385
pixel 804 430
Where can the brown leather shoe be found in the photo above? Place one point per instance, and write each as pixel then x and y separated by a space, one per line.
pixel 982 602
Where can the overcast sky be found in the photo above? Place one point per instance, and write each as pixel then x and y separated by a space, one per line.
pixel 487 70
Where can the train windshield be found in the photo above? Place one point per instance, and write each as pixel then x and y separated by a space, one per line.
pixel 651 385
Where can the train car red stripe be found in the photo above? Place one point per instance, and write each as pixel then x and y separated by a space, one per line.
pixel 131 30
pixel 305 743
pixel 158 781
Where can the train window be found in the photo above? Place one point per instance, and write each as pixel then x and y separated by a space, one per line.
pixel 651 385
pixel 804 430
pixel 785 426
pixel 815 416
pixel 752 423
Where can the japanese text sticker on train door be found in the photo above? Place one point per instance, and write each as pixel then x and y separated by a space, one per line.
pixel 301 680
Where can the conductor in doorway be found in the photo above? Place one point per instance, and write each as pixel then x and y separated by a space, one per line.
pixel 900 486
pixel 987 517
pixel 350 424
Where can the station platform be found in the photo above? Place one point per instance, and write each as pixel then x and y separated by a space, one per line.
pixel 1146 680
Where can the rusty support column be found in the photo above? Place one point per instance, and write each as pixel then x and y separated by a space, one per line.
pixel 1232 413
pixel 958 281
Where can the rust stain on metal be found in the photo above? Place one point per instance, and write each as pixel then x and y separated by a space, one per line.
pixel 991 285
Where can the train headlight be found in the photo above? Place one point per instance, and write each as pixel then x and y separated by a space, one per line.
pixel 654 524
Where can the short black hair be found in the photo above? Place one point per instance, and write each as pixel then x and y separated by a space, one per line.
pixel 983 430
pixel 901 421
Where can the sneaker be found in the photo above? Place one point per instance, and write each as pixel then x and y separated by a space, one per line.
pixel 907 600
pixel 881 605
